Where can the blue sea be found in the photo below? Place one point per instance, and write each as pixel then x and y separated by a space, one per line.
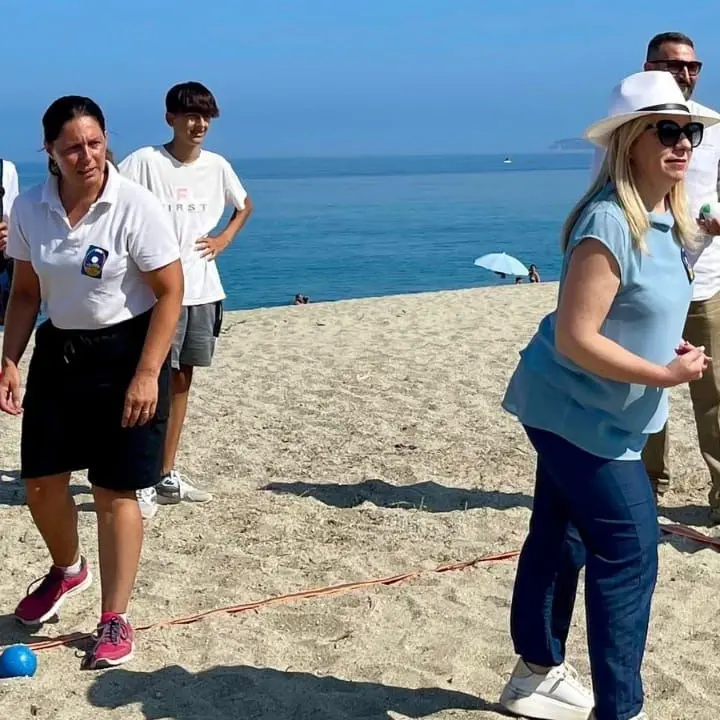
pixel 337 228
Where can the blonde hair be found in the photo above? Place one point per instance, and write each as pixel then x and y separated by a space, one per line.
pixel 617 169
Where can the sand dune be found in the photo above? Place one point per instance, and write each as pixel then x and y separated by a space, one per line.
pixel 345 442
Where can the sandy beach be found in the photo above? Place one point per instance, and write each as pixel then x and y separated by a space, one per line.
pixel 346 442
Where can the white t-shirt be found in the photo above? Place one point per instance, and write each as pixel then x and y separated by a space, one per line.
pixel 12 187
pixel 702 184
pixel 91 274
pixel 196 195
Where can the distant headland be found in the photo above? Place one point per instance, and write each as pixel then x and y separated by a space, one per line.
pixel 573 144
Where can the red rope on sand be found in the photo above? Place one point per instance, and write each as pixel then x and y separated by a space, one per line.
pixel 686 532
pixel 675 530
pixel 302 595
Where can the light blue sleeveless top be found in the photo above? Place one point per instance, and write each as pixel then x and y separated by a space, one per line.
pixel 607 418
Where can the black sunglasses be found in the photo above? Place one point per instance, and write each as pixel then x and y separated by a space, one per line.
pixel 669 132
pixel 678 66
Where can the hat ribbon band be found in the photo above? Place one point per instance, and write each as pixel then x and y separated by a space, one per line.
pixel 664 106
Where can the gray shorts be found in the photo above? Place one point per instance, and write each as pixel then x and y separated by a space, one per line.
pixel 196 334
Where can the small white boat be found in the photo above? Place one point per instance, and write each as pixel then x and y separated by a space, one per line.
pixel 507 161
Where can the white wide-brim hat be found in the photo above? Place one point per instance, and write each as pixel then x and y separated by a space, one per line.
pixel 651 92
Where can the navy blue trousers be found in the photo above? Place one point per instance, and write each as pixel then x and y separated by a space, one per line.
pixel 599 513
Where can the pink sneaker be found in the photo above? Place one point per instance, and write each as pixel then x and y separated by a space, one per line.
pixel 114 643
pixel 42 603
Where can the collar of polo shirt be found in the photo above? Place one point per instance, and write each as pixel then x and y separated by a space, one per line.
pixel 51 195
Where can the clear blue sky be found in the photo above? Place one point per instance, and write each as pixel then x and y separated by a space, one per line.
pixel 337 77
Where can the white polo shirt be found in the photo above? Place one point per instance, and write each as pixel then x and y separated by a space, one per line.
pixel 702 183
pixel 91 274
pixel 195 195
pixel 11 186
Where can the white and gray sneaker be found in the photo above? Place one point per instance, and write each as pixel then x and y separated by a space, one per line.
pixel 147 500
pixel 556 694
pixel 172 489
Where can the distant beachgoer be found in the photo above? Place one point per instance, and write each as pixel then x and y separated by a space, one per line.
pixel 9 188
pixel 301 299
pixel 518 280
pixel 195 186
pixel 533 274
pixel 101 253
pixel 589 388
pixel 674 52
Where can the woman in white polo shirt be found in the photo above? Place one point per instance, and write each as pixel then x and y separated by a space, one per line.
pixel 100 252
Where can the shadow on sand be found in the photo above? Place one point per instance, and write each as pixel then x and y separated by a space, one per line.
pixel 249 693
pixel 693 515
pixel 12 491
pixel 12 632
pixel 426 496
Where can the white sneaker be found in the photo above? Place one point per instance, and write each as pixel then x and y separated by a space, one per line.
pixel 555 695
pixel 147 500
pixel 172 489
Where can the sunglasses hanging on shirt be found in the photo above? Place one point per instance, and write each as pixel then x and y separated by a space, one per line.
pixel 687 265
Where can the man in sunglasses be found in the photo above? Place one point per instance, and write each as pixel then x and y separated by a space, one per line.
pixel 675 53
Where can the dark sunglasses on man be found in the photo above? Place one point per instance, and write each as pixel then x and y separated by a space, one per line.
pixel 677 67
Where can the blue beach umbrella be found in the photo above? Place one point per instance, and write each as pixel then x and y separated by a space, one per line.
pixel 502 263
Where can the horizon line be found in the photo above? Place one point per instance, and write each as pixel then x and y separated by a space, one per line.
pixel 370 156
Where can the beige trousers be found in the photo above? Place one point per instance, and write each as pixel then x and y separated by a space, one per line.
pixel 702 327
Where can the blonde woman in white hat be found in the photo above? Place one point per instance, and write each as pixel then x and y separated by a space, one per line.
pixel 589 387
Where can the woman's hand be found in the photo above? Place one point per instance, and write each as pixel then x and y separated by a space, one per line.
pixel 685 346
pixel 10 399
pixel 689 364
pixel 140 399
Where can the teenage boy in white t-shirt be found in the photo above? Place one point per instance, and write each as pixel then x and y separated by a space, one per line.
pixel 195 186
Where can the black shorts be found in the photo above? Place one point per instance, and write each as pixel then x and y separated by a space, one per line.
pixel 73 406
